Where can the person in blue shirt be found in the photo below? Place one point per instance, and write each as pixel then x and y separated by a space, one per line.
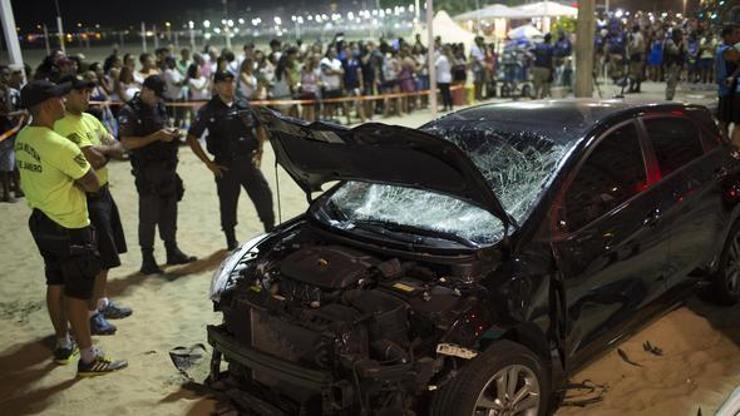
pixel 726 65
pixel 563 49
pixel 542 71
pixel 616 48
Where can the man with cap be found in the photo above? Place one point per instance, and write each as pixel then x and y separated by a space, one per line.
pixel 154 160
pixel 98 146
pixel 55 176
pixel 235 139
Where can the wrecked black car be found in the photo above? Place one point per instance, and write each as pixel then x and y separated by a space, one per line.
pixel 470 266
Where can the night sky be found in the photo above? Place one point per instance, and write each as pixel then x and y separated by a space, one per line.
pixel 121 13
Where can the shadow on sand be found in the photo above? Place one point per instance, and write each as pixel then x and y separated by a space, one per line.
pixel 22 366
pixel 117 287
pixel 725 319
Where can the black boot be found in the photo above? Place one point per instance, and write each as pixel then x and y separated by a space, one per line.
pixel 175 256
pixel 231 242
pixel 148 263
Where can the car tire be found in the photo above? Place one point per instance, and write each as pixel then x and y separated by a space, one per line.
pixel 478 384
pixel 724 287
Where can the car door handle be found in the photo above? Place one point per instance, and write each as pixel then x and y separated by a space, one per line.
pixel 652 219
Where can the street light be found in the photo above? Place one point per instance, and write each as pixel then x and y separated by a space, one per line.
pixel 206 24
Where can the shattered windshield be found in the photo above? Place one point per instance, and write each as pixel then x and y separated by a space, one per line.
pixel 516 164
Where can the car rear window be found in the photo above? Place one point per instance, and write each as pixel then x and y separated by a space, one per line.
pixel 612 174
pixel 676 142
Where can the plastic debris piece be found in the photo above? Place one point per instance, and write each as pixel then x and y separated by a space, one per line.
pixel 627 359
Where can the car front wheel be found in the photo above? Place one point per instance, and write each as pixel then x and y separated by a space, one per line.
pixel 506 380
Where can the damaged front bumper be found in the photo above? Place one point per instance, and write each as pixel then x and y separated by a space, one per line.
pixel 338 395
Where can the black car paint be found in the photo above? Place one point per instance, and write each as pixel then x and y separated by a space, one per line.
pixel 569 295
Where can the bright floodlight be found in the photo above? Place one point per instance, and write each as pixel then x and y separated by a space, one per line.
pixel 278 20
pixel 619 13
pixel 206 23
pixel 191 24
pixel 241 20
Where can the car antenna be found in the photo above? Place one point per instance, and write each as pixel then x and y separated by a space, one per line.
pixel 277 188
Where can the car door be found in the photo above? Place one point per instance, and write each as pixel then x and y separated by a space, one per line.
pixel 691 166
pixel 612 262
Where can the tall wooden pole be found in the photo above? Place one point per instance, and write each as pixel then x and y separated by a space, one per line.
pixel 585 49
pixel 431 59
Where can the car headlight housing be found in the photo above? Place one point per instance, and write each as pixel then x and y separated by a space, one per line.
pixel 222 277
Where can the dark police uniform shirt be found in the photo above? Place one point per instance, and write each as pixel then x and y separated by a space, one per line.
pixel 231 129
pixel 137 119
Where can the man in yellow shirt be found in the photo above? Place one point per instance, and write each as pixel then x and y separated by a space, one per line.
pixel 55 176
pixel 98 146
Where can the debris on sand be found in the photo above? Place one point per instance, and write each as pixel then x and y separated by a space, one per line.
pixel 185 358
pixel 627 359
pixel 584 393
pixel 652 349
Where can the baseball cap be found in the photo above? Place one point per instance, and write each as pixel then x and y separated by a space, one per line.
pixel 222 76
pixel 156 84
pixel 38 91
pixel 76 82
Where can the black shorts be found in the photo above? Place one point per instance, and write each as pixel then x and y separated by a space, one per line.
pixel 108 229
pixel 725 109
pixel 736 110
pixel 70 257
pixel 326 94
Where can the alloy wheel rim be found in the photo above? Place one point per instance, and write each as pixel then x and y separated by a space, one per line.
pixel 512 391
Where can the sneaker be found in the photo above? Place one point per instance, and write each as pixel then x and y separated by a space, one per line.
pixel 99 326
pixel 116 311
pixel 99 366
pixel 62 355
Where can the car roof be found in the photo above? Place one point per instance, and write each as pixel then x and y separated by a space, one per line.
pixel 561 121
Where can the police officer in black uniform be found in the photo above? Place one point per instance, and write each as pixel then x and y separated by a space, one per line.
pixel 235 140
pixel 154 160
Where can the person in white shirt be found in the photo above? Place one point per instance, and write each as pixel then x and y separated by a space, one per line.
pixel 331 78
pixel 199 86
pixel 246 83
pixel 443 68
pixel 175 83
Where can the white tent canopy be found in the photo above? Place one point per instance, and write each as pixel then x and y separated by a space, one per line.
pixel 526 31
pixel 544 9
pixel 448 30
pixel 494 11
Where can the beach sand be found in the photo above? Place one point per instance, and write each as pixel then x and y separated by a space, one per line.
pixel 699 368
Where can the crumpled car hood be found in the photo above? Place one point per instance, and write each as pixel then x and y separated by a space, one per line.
pixel 317 153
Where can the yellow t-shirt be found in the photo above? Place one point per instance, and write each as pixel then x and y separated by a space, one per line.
pixel 49 164
pixel 84 130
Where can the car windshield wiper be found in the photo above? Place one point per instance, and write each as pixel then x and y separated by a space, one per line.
pixel 418 231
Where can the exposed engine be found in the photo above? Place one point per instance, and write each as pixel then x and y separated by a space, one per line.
pixel 372 323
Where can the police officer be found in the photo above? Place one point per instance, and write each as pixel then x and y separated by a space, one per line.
pixel 235 140
pixel 154 160
pixel 55 176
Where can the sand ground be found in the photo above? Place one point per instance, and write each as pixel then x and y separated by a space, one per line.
pixel 701 343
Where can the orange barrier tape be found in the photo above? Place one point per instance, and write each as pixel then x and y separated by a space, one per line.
pixel 296 102
pixel 14 130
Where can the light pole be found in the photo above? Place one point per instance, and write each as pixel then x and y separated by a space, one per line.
pixel 60 30
pixel 11 36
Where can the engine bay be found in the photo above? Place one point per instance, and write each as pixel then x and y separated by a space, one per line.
pixel 371 321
